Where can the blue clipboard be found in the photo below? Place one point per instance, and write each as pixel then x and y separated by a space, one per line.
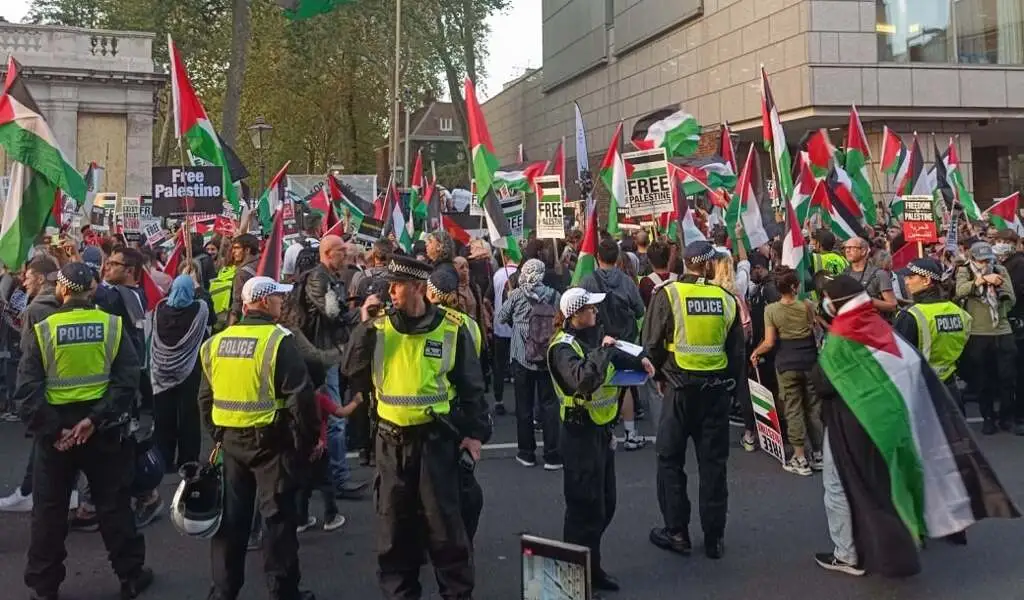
pixel 628 378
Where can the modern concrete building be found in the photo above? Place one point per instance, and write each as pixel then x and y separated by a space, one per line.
pixel 948 67
pixel 98 91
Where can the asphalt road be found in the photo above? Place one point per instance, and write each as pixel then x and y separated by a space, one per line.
pixel 776 524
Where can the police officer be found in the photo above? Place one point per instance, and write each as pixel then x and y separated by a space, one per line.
pixel 824 256
pixel 442 290
pixel 423 364
pixel 938 327
pixel 257 402
pixel 582 365
pixel 693 336
pixel 77 381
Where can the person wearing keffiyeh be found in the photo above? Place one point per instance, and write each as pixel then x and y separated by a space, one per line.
pixel 984 289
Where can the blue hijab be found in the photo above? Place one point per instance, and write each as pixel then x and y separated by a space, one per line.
pixel 182 292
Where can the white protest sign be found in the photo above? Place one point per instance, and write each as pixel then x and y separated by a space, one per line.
pixel 550 211
pixel 648 186
pixel 769 431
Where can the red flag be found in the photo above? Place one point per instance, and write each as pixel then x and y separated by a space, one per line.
pixel 152 291
pixel 177 254
pixel 273 249
pixel 458 233
pixel 902 257
pixel 725 147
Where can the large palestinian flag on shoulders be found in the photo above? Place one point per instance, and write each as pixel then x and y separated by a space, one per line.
pixel 940 482
pixel 39 173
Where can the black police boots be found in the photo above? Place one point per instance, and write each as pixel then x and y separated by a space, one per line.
pixel 136 584
pixel 678 542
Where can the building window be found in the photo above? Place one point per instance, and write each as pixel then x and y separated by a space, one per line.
pixel 446 124
pixel 950 31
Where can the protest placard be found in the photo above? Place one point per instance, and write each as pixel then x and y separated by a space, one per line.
pixel 766 418
pixel 648 186
pixel 182 190
pixel 131 219
pixel 919 219
pixel 550 211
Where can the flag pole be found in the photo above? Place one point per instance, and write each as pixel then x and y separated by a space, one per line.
pixel 397 82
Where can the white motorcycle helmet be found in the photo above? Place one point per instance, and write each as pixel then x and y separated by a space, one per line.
pixel 199 500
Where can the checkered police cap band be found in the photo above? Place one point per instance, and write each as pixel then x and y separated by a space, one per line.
pixel 916 270
pixel 396 267
pixel 74 286
pixel 576 304
pixel 706 257
pixel 433 289
pixel 262 290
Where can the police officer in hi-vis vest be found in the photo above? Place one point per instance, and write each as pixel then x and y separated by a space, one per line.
pixel 256 401
pixel 428 382
pixel 77 381
pixel 442 291
pixel 938 327
pixel 695 339
pixel 582 365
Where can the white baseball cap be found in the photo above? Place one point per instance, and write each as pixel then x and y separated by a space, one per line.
pixel 258 288
pixel 576 298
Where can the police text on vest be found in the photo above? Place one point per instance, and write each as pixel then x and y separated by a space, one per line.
pixel 705 306
pixel 79 333
pixel 237 347
pixel 948 323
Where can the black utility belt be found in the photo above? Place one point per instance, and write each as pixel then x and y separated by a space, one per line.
pixel 400 433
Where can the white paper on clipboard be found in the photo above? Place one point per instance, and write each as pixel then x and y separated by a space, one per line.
pixel 628 348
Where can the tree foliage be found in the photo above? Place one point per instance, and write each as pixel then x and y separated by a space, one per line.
pixel 325 83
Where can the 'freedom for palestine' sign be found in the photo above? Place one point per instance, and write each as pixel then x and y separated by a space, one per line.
pixel 648 188
pixel 919 220
pixel 183 190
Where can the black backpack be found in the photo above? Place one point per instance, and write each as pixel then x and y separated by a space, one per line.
pixel 614 315
pixel 540 326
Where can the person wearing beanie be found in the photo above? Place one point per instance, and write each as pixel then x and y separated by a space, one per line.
pixel 694 336
pixel 939 328
pixel 582 365
pixel 442 291
pixel 984 289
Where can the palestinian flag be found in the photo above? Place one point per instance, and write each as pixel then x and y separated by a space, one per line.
pixel 956 180
pixel 685 216
pixel 725 147
pixel 707 177
pixel 401 227
pixel 93 182
pixel 794 250
pixel 417 206
pixel 484 165
pixel 298 10
pixel 911 178
pixel 320 203
pixel 192 125
pixel 894 151
pixel 939 482
pixel 273 197
pixel 775 138
pixel 744 206
pixel 352 208
pixel 518 178
pixel 820 152
pixel 671 128
pixel 839 208
pixel 1005 213
pixel 177 254
pixel 586 263
pixel 613 176
pixel 455 230
pixel 856 164
pixel 272 256
pixel 39 173
pixel 803 190
pixel 942 192
pixel 558 162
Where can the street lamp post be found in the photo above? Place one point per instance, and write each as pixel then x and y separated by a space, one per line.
pixel 259 133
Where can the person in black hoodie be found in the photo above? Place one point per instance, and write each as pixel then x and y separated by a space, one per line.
pixel 582 364
pixel 1007 251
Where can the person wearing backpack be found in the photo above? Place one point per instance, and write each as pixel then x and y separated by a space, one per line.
pixel 530 310
pixel 622 308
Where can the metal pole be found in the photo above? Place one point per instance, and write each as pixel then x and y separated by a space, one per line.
pixel 398 59
pixel 405 161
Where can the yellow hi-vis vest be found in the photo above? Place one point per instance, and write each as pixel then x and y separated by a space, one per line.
pixel 410 371
pixel 220 289
pixel 942 332
pixel 78 347
pixel 603 404
pixel 239 363
pixel 703 314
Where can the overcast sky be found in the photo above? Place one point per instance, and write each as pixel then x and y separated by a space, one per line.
pixel 514 44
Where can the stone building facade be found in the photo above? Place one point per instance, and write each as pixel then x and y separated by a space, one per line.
pixel 98 91
pixel 952 69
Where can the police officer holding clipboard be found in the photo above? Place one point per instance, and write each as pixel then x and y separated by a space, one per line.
pixel 429 387
pixel 257 402
pixel 77 381
pixel 582 367
pixel 694 337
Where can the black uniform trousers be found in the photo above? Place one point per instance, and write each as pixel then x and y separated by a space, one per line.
pixel 471 498
pixel 417 497
pixel 261 473
pixel 700 412
pixel 108 463
pixel 992 368
pixel 589 486
pixel 176 418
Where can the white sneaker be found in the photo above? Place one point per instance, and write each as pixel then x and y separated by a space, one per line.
pixel 73 503
pixel 16 502
pixel 798 466
pixel 633 442
pixel 336 523
pixel 308 525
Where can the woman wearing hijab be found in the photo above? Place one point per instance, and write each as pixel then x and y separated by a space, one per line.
pixel 582 366
pixel 180 324
pixel 525 305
